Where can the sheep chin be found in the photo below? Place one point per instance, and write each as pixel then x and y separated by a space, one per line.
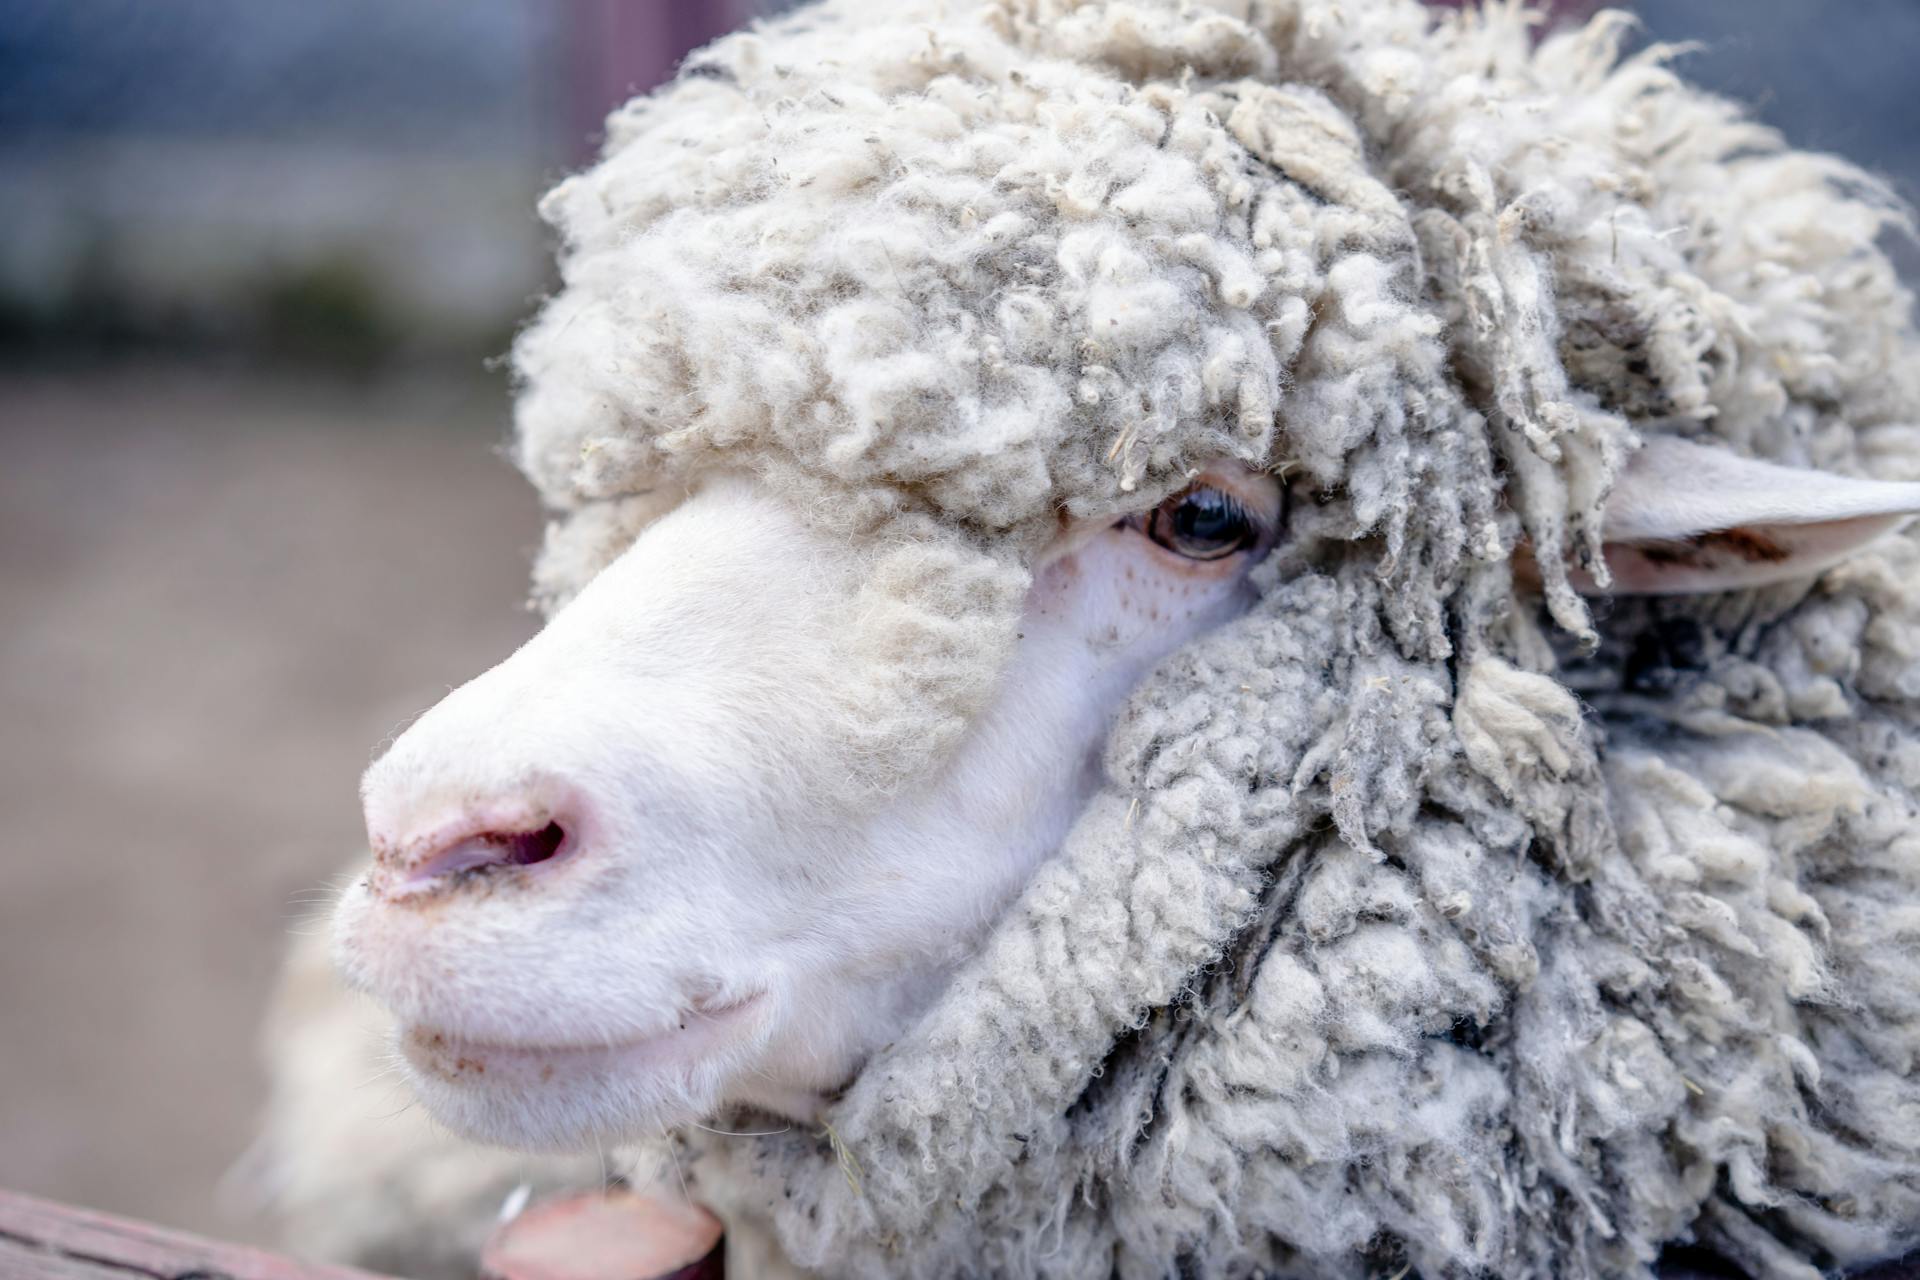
pixel 569 1098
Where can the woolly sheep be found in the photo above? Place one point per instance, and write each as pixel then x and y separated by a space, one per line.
pixel 1205 639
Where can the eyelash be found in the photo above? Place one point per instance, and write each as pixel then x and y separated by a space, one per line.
pixel 1234 506
pixel 1257 528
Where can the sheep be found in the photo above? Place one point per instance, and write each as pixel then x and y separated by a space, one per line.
pixel 1247 638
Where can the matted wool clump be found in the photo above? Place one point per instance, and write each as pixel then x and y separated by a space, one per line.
pixel 1427 918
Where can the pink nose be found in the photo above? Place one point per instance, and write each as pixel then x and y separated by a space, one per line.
pixel 486 839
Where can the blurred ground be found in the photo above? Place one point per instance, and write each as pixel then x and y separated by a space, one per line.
pixel 220 594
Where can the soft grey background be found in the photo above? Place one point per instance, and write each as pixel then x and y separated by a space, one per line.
pixel 254 255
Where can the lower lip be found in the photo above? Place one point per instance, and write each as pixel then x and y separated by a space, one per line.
pixel 458 1060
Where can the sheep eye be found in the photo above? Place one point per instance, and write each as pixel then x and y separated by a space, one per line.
pixel 1202 523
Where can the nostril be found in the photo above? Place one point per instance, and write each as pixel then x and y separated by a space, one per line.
pixel 480 850
pixel 529 847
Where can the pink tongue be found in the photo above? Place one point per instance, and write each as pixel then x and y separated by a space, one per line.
pixel 592 1235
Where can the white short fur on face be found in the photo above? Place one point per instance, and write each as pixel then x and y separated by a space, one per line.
pixel 707 932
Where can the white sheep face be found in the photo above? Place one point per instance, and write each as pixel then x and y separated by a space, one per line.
pixel 614 888
pixel 606 898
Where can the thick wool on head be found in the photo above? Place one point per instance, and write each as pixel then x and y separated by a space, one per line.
pixel 1422 919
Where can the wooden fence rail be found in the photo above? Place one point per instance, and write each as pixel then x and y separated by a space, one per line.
pixel 41 1240
pixel 610 1235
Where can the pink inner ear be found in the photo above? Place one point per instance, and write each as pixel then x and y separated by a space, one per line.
pixel 1687 517
pixel 1728 559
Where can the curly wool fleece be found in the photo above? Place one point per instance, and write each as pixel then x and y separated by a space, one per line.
pixel 1423 921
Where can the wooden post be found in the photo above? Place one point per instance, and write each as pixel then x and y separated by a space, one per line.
pixel 615 49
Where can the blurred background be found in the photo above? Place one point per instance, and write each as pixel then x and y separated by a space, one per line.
pixel 258 260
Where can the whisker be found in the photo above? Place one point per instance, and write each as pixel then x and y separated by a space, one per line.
pixel 756 1133
pixel 677 1170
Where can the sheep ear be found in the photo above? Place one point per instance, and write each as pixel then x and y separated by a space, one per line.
pixel 1690 518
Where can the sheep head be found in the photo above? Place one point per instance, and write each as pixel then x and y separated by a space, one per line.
pixel 689 847
pixel 1074 532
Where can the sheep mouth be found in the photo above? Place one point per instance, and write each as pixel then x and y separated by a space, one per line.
pixel 447 1056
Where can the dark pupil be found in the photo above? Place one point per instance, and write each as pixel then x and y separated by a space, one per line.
pixel 1208 518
